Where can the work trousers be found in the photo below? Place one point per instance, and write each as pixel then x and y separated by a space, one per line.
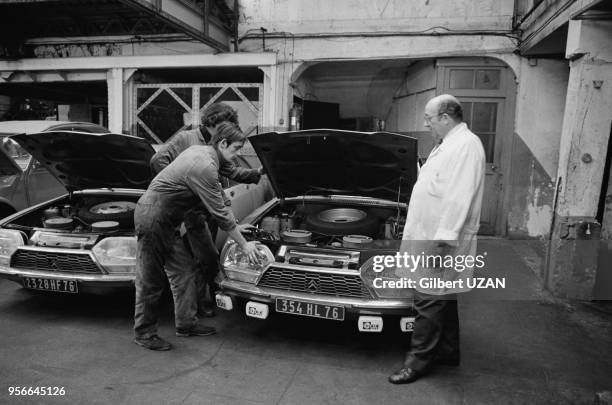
pixel 436 331
pixel 161 253
pixel 201 242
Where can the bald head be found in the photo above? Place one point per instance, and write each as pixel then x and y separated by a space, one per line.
pixel 447 104
pixel 442 113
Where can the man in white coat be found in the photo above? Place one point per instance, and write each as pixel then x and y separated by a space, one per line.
pixel 443 219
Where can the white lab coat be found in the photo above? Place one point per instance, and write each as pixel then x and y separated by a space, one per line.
pixel 445 204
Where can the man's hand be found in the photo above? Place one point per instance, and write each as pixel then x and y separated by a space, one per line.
pixel 245 228
pixel 248 247
pixel 250 250
pixel 261 171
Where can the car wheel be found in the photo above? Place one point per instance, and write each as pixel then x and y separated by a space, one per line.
pixel 120 211
pixel 343 221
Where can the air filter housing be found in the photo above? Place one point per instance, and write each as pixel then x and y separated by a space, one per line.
pixel 296 236
pixel 105 226
pixel 59 223
pixel 356 241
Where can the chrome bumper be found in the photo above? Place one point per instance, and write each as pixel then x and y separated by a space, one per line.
pixel 351 305
pixel 85 280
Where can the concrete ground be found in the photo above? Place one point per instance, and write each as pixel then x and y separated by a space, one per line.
pixel 525 350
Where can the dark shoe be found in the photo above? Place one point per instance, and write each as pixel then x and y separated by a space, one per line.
pixel 153 343
pixel 206 312
pixel 404 376
pixel 197 330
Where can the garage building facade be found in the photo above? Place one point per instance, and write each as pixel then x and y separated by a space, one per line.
pixel 535 77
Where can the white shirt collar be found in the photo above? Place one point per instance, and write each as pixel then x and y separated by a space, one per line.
pixel 456 129
pixel 447 138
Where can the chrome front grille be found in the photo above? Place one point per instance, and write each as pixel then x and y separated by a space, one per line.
pixel 64 262
pixel 338 285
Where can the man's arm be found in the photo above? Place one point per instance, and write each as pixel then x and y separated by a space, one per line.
pixel 170 150
pixel 164 156
pixel 466 175
pixel 240 174
pixel 204 184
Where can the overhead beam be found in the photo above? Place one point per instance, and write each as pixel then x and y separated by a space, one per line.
pixel 25 1
pixel 549 18
pixel 141 62
pixel 48 76
pixel 106 39
pixel 183 17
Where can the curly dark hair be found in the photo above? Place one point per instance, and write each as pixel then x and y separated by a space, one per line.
pixel 217 113
pixel 230 132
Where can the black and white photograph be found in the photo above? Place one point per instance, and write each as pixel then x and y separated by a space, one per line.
pixel 304 202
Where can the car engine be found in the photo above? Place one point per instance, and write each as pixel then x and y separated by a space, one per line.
pixel 336 226
pixel 86 216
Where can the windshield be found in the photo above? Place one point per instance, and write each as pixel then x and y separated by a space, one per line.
pixel 14 150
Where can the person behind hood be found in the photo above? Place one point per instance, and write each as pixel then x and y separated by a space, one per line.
pixel 191 180
pixel 200 229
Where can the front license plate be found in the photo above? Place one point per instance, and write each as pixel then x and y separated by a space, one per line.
pixel 310 309
pixel 50 284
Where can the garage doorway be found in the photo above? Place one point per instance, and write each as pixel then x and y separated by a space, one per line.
pixel 392 94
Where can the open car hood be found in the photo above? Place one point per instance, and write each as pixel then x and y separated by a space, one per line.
pixel 83 160
pixel 328 161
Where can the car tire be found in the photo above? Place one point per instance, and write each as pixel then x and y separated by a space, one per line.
pixel 91 214
pixel 368 225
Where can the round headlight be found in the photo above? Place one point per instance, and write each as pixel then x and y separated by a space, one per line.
pixel 117 254
pixel 236 263
pixel 10 240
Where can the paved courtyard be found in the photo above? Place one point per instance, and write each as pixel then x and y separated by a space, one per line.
pixel 528 351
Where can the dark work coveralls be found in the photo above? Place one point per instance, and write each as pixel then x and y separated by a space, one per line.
pixel 200 229
pixel 189 181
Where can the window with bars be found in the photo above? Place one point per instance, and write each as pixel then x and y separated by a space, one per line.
pixel 162 110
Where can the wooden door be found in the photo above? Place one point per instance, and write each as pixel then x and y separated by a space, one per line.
pixel 483 117
pixel 483 87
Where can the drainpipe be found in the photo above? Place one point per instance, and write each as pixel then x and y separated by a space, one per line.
pixel 236 17
pixel 550 233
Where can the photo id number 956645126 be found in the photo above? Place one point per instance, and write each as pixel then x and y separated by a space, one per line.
pixel 36 391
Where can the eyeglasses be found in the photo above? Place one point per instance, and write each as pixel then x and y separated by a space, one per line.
pixel 428 118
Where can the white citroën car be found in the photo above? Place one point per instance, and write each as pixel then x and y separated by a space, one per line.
pixel 84 241
pixel 341 200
